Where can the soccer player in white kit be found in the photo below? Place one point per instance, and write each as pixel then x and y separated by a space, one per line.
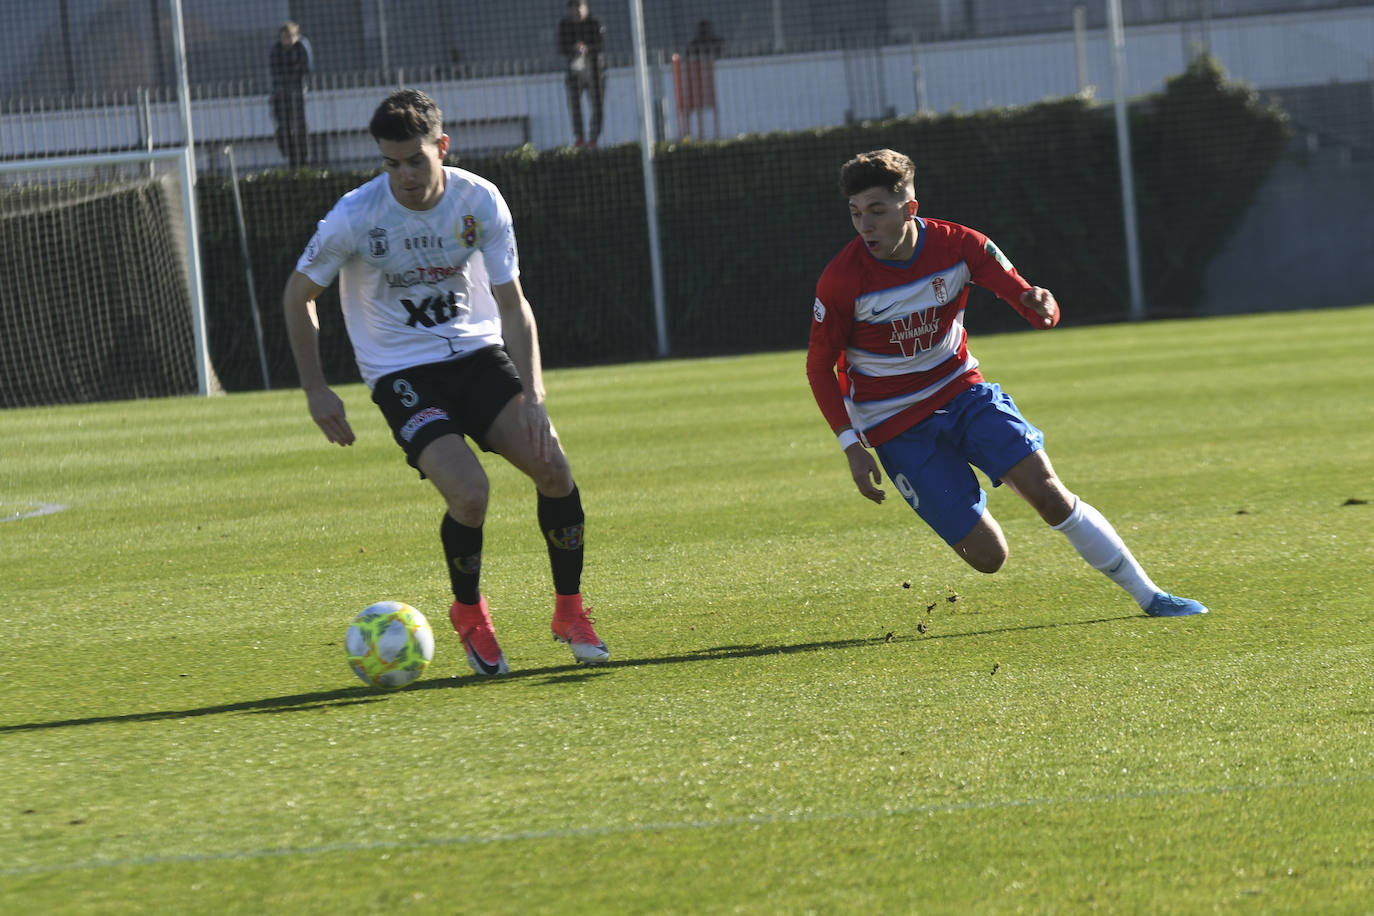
pixel 429 283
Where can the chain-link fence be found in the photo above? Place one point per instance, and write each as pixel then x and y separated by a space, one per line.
pixel 90 76
pixel 66 48
pixel 787 87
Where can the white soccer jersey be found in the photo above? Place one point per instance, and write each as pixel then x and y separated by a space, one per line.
pixel 415 285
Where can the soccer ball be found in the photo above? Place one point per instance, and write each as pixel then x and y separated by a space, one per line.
pixel 389 644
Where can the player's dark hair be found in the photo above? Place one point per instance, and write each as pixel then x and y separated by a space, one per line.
pixel 881 168
pixel 405 115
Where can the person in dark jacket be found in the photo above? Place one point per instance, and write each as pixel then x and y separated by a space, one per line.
pixel 290 64
pixel 582 40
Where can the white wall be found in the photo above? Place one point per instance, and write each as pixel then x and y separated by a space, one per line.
pixel 755 95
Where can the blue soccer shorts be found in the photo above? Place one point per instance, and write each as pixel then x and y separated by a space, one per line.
pixel 930 462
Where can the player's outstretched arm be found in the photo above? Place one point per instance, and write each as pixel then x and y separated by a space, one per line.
pixel 303 330
pixel 865 472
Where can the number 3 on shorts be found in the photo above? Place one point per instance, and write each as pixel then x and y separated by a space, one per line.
pixel 907 490
pixel 407 394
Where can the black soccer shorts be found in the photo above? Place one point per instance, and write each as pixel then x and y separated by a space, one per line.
pixel 461 396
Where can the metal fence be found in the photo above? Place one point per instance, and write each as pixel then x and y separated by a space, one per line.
pixel 781 66
pixel 73 48
pixel 1316 61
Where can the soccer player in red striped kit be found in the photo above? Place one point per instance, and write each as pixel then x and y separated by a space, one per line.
pixel 890 369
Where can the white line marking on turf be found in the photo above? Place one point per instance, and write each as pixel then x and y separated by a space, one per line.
pixel 759 820
pixel 13 512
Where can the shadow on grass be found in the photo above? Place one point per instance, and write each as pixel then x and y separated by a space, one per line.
pixel 552 675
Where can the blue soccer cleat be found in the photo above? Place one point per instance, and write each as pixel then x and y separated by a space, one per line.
pixel 1167 605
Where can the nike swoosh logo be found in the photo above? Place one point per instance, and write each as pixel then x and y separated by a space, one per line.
pixel 877 312
pixel 487 667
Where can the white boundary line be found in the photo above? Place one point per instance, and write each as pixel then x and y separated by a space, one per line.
pixel 35 510
pixel 751 821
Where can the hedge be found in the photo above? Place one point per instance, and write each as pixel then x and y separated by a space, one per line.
pixel 748 224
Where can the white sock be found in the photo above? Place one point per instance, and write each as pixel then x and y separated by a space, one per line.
pixel 1097 542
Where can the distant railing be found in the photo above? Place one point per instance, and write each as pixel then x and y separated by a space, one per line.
pixel 493 107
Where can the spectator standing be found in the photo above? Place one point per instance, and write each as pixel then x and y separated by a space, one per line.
pixel 697 80
pixel 290 64
pixel 705 42
pixel 582 40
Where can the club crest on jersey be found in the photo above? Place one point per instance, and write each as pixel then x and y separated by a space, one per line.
pixel 915 332
pixel 377 244
pixel 468 232
pixel 937 286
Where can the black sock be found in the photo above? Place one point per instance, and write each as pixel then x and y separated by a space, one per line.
pixel 463 556
pixel 563 521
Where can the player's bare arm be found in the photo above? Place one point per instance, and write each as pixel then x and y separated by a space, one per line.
pixel 303 330
pixel 522 343
pixel 865 472
pixel 1042 302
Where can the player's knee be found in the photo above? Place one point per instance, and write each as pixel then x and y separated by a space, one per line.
pixel 985 562
pixel 983 555
pixel 985 548
pixel 552 478
pixel 467 499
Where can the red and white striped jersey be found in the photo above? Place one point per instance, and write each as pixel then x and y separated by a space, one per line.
pixel 888 346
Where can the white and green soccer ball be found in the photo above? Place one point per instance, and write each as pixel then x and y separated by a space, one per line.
pixel 389 644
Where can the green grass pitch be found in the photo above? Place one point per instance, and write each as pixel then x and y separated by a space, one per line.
pixel 813 706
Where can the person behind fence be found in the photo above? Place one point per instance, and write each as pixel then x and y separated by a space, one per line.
pixel 698 86
pixel 582 40
pixel 889 366
pixel 429 285
pixel 290 63
pixel 705 42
